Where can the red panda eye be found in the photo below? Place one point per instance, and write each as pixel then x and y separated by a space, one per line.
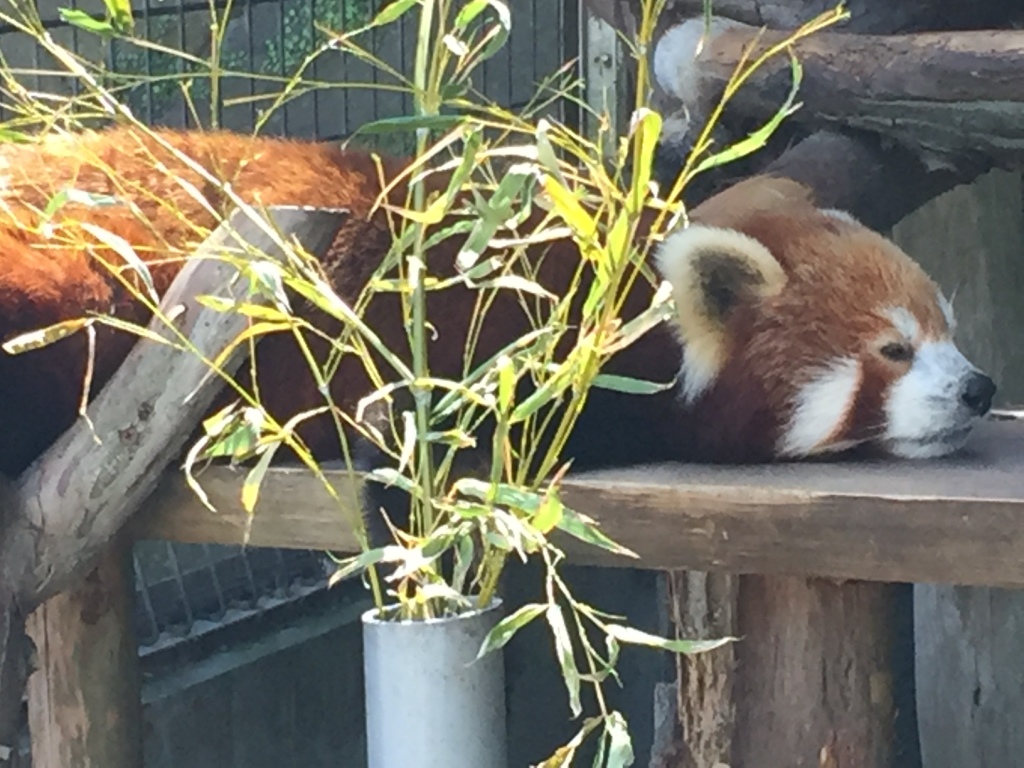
pixel 898 352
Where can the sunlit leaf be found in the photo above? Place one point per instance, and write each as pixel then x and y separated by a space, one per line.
pixel 566 658
pixel 583 528
pixel 120 14
pixel 620 745
pixel 629 385
pixel 758 138
pixel 83 20
pixel 126 251
pixel 506 629
pixel 43 337
pixel 635 636
pixel 549 514
pixel 393 11
pixel 254 481
pixel 645 129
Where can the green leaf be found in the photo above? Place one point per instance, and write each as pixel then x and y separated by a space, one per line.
pixel 760 137
pixel 620 746
pixel 11 136
pixel 83 20
pixel 506 629
pixel 120 14
pixel 407 123
pixel 550 513
pixel 583 528
pixel 629 385
pixel 253 481
pixel 470 11
pixel 646 128
pixel 566 659
pixel 393 11
pixel 689 647
pixel 356 564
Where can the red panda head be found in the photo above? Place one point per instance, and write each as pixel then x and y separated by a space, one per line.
pixel 805 333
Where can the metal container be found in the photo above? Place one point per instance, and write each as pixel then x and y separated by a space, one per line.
pixel 429 702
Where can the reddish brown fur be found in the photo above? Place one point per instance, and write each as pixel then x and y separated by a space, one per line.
pixel 841 279
pixel 833 269
pixel 42 284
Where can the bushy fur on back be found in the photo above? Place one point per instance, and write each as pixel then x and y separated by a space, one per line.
pixel 48 277
pixel 781 348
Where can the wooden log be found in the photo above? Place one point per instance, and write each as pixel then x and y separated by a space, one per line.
pixel 704 606
pixel 814 684
pixel 84 696
pixel 76 497
pixel 866 16
pixel 944 93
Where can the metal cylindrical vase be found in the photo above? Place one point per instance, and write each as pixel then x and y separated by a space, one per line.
pixel 430 703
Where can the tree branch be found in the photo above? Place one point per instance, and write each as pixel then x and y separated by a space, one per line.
pixel 73 500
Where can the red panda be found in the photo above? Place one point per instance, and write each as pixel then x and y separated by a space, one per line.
pixel 799 333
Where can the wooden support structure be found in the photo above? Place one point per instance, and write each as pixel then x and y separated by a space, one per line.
pixel 84 692
pixel 823 548
pixel 68 506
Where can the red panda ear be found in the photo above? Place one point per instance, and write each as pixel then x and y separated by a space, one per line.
pixel 712 272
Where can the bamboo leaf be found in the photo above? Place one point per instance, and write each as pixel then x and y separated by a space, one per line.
pixel 583 528
pixel 566 659
pixel 629 385
pixel 43 337
pixel 253 481
pixel 689 647
pixel 620 746
pixel 126 251
pixel 83 20
pixel 506 629
pixel 392 12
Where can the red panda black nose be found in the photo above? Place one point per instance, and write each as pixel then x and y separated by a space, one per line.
pixel 978 392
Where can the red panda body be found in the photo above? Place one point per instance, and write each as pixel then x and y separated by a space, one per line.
pixel 800 332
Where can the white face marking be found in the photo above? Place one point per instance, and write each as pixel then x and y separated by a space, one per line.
pixel 924 414
pixel 904 322
pixel 820 410
pixel 835 213
pixel 947 312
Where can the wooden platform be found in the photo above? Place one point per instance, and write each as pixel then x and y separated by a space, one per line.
pixel 955 520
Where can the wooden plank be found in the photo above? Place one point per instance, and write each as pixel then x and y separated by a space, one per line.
pixel 84 706
pixel 957 520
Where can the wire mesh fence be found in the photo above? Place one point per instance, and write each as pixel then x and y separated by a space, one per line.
pixel 185 590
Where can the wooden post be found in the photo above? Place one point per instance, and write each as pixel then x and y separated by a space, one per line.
pixel 84 703
pixel 70 504
pixel 969 640
pixel 808 684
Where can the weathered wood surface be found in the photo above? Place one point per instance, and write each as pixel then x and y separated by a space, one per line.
pixel 970 640
pixel 83 697
pixel 866 16
pixel 814 682
pixel 79 494
pixel 945 92
pixel 958 520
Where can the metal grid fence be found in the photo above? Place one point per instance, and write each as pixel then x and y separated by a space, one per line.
pixel 184 591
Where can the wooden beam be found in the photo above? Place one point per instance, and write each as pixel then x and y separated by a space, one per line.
pixel 947 93
pixel 78 495
pixel 84 705
pixel 957 520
